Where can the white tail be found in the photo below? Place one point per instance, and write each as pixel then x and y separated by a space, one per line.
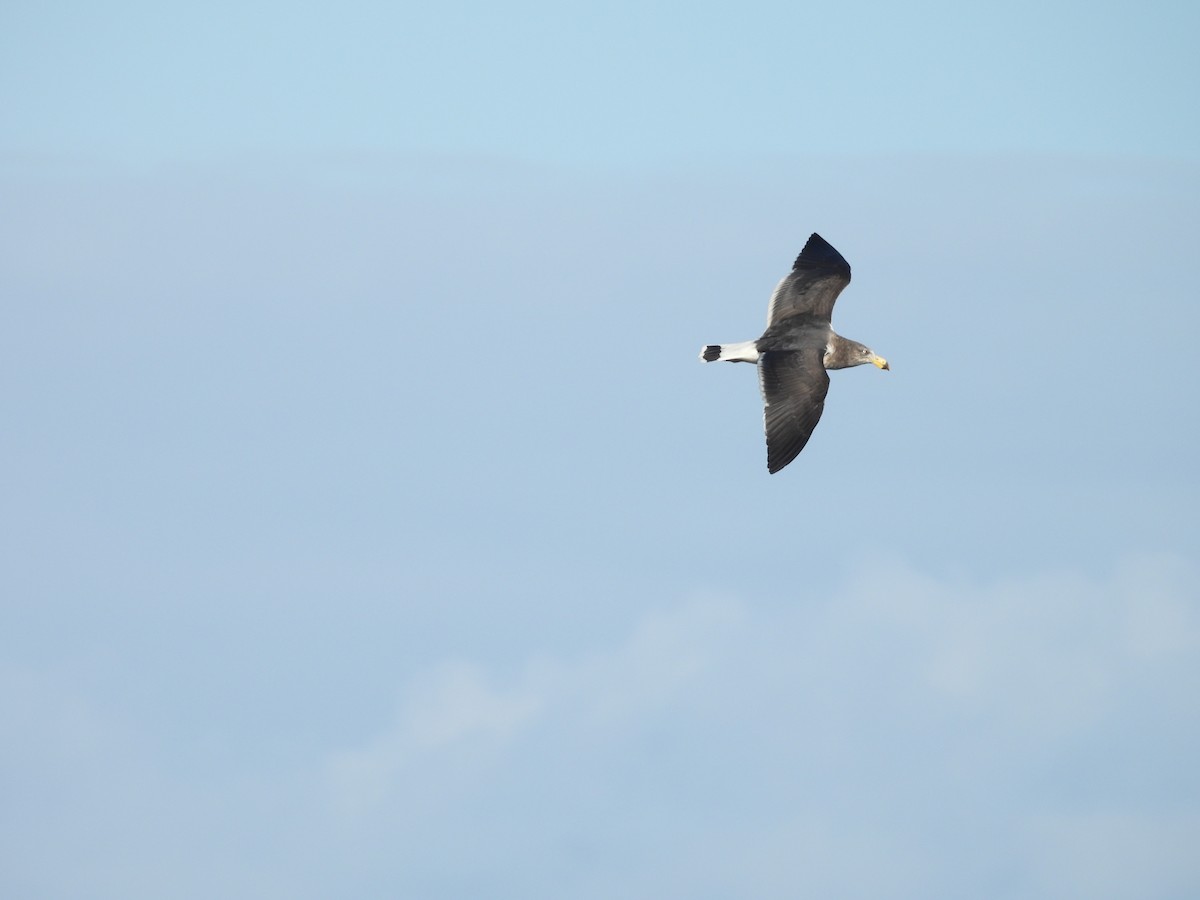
pixel 743 352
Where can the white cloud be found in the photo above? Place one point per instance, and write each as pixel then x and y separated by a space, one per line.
pixel 1045 654
pixel 905 736
pixel 949 730
pixel 457 705
pixel 453 704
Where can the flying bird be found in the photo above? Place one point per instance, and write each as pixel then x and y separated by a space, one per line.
pixel 796 349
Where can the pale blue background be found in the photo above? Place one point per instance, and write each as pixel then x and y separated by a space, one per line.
pixel 371 529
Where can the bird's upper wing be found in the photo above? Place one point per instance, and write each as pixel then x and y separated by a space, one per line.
pixel 794 385
pixel 816 279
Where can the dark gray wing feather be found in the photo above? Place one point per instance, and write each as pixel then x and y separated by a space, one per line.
pixel 818 276
pixel 794 385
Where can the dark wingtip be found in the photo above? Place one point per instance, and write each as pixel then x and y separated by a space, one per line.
pixel 778 463
pixel 711 353
pixel 819 253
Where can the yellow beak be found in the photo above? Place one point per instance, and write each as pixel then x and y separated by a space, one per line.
pixel 881 362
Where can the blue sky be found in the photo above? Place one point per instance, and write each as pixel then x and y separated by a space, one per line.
pixel 628 84
pixel 373 530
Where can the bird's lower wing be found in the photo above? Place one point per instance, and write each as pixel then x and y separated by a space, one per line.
pixel 794 384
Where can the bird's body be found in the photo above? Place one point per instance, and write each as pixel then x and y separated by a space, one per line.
pixel 796 349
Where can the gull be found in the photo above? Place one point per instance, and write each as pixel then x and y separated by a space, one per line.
pixel 797 348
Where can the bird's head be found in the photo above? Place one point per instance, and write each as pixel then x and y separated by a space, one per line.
pixel 867 355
